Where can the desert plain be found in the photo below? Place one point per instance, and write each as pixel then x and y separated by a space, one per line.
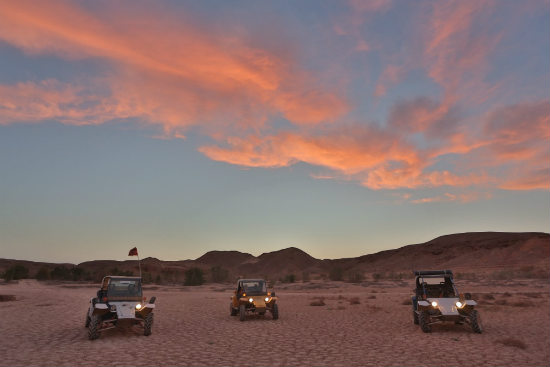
pixel 365 324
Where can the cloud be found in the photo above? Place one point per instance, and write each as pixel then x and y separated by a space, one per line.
pixel 172 73
pixel 178 75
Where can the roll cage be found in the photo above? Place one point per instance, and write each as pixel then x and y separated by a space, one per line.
pixel 428 286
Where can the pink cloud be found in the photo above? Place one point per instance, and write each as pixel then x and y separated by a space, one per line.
pixel 182 75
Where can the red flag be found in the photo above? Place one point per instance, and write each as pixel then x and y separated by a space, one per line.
pixel 133 252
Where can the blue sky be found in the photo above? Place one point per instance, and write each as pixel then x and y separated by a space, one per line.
pixel 341 128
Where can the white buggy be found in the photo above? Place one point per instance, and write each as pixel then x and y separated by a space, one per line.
pixel 119 302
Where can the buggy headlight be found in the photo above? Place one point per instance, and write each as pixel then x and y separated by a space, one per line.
pixel 251 300
pixel 138 306
pixel 267 299
pixel 434 304
pixel 459 304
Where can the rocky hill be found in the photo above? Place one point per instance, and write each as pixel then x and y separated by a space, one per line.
pixel 520 254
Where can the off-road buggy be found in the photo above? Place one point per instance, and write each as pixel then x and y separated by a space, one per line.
pixel 251 296
pixel 119 302
pixel 437 300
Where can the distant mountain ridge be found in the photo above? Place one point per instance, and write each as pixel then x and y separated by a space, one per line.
pixel 466 252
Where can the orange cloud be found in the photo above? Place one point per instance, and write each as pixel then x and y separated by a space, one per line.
pixel 349 151
pixel 456 57
pixel 448 197
pixel 204 73
pixel 377 158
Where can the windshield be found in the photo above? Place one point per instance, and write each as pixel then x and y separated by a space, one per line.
pixel 254 286
pixel 437 287
pixel 124 288
pixel 433 280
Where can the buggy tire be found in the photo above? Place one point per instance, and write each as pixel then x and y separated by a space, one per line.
pixel 93 327
pixel 275 312
pixel 415 317
pixel 424 321
pixel 232 310
pixel 242 312
pixel 475 322
pixel 148 324
pixel 87 321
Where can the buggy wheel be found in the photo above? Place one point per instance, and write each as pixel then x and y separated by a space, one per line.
pixel 415 317
pixel 475 321
pixel 148 324
pixel 232 310
pixel 424 321
pixel 275 312
pixel 93 327
pixel 87 320
pixel 242 312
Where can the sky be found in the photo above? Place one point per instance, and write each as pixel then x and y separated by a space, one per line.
pixel 342 128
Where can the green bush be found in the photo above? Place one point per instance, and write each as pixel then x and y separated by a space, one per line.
pixel 355 277
pixel 289 278
pixel 16 272
pixel 194 276
pixel 43 274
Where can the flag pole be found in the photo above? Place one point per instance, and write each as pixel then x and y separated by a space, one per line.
pixel 139 263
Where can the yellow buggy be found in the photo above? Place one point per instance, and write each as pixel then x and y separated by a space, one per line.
pixel 252 297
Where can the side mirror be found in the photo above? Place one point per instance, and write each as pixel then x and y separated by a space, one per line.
pixel 467 296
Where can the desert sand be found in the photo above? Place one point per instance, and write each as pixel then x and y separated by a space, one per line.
pixel 44 326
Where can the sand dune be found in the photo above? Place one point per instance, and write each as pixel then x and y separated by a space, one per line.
pixel 44 327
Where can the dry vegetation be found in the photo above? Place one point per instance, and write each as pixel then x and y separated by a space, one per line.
pixel 7 297
pixel 512 342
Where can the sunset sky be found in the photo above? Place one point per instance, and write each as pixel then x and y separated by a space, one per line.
pixel 339 127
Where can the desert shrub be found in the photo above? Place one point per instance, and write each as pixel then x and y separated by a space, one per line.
pixel 64 273
pixel 373 308
pixel 340 307
pixel 336 273
pixel 305 276
pixel 218 274
pixel 61 273
pixel 501 302
pixel 507 294
pixel 533 295
pixel 376 276
pixel 117 271
pixel 372 296
pixel 42 274
pixel 194 276
pixel 394 276
pixel 158 279
pixel 355 277
pixel 521 304
pixel 289 278
pixel 16 272
pixel 406 302
pixel 488 296
pixel 6 298
pixel 512 342
pixel 354 301
pixel 320 301
pixel 146 277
